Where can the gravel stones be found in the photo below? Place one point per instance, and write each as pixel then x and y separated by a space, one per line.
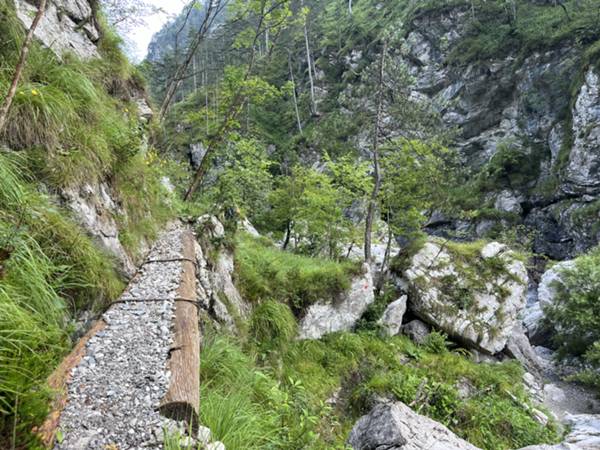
pixel 115 391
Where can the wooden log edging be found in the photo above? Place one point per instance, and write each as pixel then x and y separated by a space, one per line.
pixel 182 400
pixel 57 382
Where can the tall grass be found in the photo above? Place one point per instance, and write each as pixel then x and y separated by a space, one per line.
pixel 265 272
pixel 237 397
pixel 49 270
pixel 63 112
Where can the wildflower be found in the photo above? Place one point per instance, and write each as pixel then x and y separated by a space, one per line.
pixel 34 92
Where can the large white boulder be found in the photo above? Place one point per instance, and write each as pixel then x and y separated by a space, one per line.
pixel 328 317
pixel 394 426
pixel 475 297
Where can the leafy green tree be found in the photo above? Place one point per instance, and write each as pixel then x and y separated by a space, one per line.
pixel 308 206
pixel 575 314
pixel 242 180
pixel 416 175
pixel 263 16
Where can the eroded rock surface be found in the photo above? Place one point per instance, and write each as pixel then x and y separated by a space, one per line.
pixel 67 26
pixel 95 209
pixel 394 426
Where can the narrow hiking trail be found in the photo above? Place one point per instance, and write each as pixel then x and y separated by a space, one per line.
pixel 119 375
pixel 115 390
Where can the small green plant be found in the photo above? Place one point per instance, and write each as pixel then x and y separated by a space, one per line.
pixel 272 325
pixel 436 342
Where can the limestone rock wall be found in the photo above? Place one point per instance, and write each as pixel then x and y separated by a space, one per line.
pixel 526 104
pixel 67 26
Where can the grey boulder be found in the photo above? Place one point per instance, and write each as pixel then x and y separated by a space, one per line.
pixel 391 321
pixel 416 330
pixel 394 426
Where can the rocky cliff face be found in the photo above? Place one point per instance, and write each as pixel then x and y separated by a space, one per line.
pixel 525 114
pixel 71 27
pixel 67 25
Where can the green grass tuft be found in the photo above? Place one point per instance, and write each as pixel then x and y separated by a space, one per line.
pixel 266 272
pixel 272 325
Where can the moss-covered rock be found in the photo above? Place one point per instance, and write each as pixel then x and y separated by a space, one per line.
pixel 471 291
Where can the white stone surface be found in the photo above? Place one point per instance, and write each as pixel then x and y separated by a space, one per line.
pixel 328 317
pixel 62 27
pixel 391 320
pixel 487 323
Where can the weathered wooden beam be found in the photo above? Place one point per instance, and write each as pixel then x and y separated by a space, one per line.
pixel 182 400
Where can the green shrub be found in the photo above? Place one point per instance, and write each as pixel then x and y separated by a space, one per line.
pixel 575 314
pixel 436 342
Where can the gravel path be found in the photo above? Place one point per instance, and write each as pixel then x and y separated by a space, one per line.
pixel 114 392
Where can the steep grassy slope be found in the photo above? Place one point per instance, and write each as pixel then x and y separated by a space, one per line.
pixel 72 122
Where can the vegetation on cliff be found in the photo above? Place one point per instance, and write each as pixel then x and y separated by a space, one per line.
pixel 71 123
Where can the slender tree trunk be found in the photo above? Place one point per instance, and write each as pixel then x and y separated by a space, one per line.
pixel 205 86
pixel 212 10
pixel 350 6
pixel 294 94
pixel 313 103
pixel 6 104
pixel 349 249
pixel 195 76
pixel 376 173
pixel 288 233
pixel 267 41
pixel 386 259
